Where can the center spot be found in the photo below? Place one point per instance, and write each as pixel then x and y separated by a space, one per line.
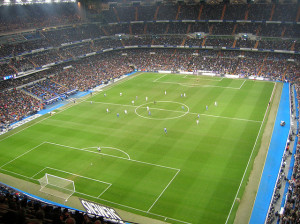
pixel 162 110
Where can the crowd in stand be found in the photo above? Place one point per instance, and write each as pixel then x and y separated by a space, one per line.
pixel 40 87
pixel 15 105
pixel 292 207
pixel 103 67
pixel 213 12
pixel 17 208
pixel 28 62
pixel 58 37
pixel 20 17
pixel 291 211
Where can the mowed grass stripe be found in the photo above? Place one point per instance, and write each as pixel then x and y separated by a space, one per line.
pixel 211 156
pixel 123 174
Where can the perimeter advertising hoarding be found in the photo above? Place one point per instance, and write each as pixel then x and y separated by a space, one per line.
pixel 107 213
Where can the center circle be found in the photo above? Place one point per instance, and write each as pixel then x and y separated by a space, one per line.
pixel 182 105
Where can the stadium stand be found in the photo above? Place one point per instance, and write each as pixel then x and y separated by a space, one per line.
pixel 65 34
pixel 16 207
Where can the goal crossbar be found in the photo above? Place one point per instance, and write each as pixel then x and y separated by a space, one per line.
pixel 57 186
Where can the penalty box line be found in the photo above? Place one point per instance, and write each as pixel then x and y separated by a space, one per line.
pixel 73 174
pixel 132 160
pixel 21 155
pixel 197 85
pixel 190 76
pixel 178 170
pixel 98 198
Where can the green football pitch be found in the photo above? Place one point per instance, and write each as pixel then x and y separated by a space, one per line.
pixel 191 174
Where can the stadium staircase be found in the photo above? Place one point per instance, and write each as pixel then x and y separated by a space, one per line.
pixel 236 67
pixel 174 52
pixel 263 63
pixel 234 29
pixel 178 12
pixel 286 70
pixel 203 42
pixel 145 28
pixel 93 46
pixel 31 94
pixel 122 43
pixel 41 33
pixel 13 68
pixel 234 43
pixel 272 12
pixel 60 56
pixel 283 32
pixel 35 65
pixel 44 36
pixel 258 30
pixel 200 12
pixel 152 42
pixel 211 29
pixel 189 28
pixel 298 14
pixel 130 29
pixel 256 44
pixel 59 84
pixel 116 13
pixel 247 13
pixel 167 29
pixel 223 12
pixel 156 12
pixel 104 31
pixel 183 41
pixel 136 14
pixel 293 46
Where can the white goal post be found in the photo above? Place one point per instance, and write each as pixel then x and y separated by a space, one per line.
pixel 57 186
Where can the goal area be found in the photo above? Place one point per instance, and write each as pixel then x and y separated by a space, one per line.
pixel 57 186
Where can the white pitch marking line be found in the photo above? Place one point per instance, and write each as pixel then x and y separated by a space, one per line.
pixel 115 104
pixel 73 174
pixel 72 104
pixel 114 156
pixel 112 148
pixel 159 78
pixel 163 191
pixel 39 172
pixel 250 157
pixel 232 118
pixel 17 174
pixel 201 78
pixel 168 118
pixel 110 201
pixel 104 191
pixel 197 85
pixel 136 209
pixel 242 84
pixel 21 155
pixel 153 108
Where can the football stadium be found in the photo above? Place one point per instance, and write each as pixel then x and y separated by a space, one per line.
pixel 149 112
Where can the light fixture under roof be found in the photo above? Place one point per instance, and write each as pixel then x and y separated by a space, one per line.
pixel 24 2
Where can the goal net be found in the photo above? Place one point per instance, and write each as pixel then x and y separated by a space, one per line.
pixel 57 186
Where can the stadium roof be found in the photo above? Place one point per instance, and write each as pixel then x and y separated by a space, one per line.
pixel 25 2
